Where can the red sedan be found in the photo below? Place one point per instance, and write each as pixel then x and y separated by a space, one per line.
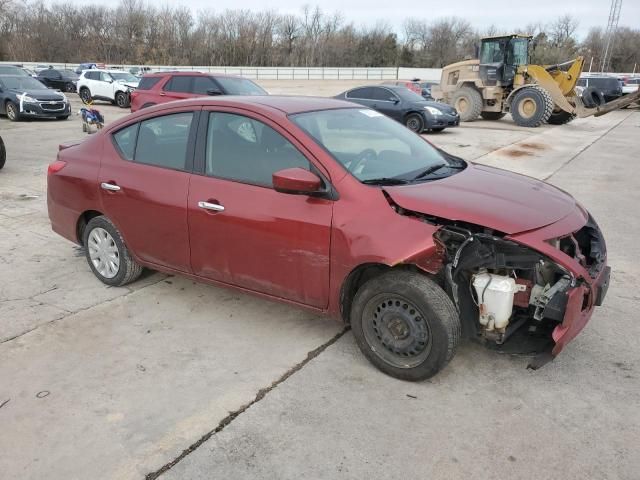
pixel 335 208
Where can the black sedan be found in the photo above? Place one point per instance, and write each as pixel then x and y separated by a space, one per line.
pixel 65 80
pixel 26 97
pixel 405 106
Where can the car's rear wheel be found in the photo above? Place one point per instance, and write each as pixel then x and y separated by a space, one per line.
pixel 405 324
pixel 12 111
pixel 69 87
pixel 414 122
pixel 122 100
pixel 107 255
pixel 85 95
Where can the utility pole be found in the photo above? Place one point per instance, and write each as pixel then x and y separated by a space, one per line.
pixel 610 34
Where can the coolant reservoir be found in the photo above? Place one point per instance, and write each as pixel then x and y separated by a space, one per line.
pixel 496 303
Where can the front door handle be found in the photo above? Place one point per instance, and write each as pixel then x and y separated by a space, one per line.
pixel 211 206
pixel 110 187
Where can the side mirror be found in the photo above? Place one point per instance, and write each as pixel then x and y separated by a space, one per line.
pixel 296 181
pixel 396 101
pixel 214 91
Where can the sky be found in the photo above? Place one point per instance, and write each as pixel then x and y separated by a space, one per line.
pixel 481 13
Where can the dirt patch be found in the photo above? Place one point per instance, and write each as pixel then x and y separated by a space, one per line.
pixel 533 146
pixel 516 153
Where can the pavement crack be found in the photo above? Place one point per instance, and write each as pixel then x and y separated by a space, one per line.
pixel 586 147
pixel 262 393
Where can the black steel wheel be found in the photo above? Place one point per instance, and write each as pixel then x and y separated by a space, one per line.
pixel 414 122
pixel 405 324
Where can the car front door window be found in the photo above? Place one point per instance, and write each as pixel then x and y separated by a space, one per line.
pixel 246 150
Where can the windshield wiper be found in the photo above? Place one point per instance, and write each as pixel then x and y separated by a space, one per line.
pixel 385 181
pixel 430 170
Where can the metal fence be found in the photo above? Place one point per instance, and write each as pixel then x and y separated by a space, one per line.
pixel 258 73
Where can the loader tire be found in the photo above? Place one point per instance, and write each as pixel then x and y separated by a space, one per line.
pixel 560 117
pixel 468 102
pixel 531 106
pixel 492 115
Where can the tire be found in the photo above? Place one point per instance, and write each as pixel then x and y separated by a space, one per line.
pixel 12 111
pixel 560 117
pixel 405 324
pixel 468 102
pixel 85 95
pixel 492 115
pixel 531 106
pixel 414 122
pixel 126 270
pixel 3 154
pixel 63 117
pixel 69 87
pixel 592 98
pixel 122 100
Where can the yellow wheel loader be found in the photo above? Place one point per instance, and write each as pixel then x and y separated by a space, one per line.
pixel 502 81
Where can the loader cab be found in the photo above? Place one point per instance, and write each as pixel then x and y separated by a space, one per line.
pixel 500 57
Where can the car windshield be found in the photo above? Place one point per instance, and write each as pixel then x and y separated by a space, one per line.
pixel 240 86
pixel 22 83
pixel 124 76
pixel 408 95
pixel 370 145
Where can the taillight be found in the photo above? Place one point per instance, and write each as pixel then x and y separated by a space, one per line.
pixel 55 167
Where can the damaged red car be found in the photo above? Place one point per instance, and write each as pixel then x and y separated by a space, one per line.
pixel 338 209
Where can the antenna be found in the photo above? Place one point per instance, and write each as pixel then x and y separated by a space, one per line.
pixel 610 34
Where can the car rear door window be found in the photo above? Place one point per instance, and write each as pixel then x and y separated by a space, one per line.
pixel 365 93
pixel 201 85
pixel 180 83
pixel 126 140
pixel 246 150
pixel 384 94
pixel 147 83
pixel 162 141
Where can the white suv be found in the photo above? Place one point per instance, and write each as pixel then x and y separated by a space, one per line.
pixel 114 86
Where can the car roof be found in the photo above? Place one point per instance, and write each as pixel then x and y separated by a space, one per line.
pixel 190 73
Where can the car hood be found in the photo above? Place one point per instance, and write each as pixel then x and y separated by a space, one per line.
pixel 40 94
pixel 486 196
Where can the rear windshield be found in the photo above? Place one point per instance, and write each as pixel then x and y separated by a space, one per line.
pixel 147 83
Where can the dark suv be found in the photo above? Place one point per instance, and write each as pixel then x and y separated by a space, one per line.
pixel 164 87
pixel 606 88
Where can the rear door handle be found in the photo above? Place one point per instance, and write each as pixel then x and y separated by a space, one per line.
pixel 109 187
pixel 211 206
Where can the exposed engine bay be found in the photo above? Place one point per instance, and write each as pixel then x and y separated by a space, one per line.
pixel 500 287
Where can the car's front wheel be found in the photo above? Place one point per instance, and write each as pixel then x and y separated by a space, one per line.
pixel 122 100
pixel 414 122
pixel 107 254
pixel 405 324
pixel 12 111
